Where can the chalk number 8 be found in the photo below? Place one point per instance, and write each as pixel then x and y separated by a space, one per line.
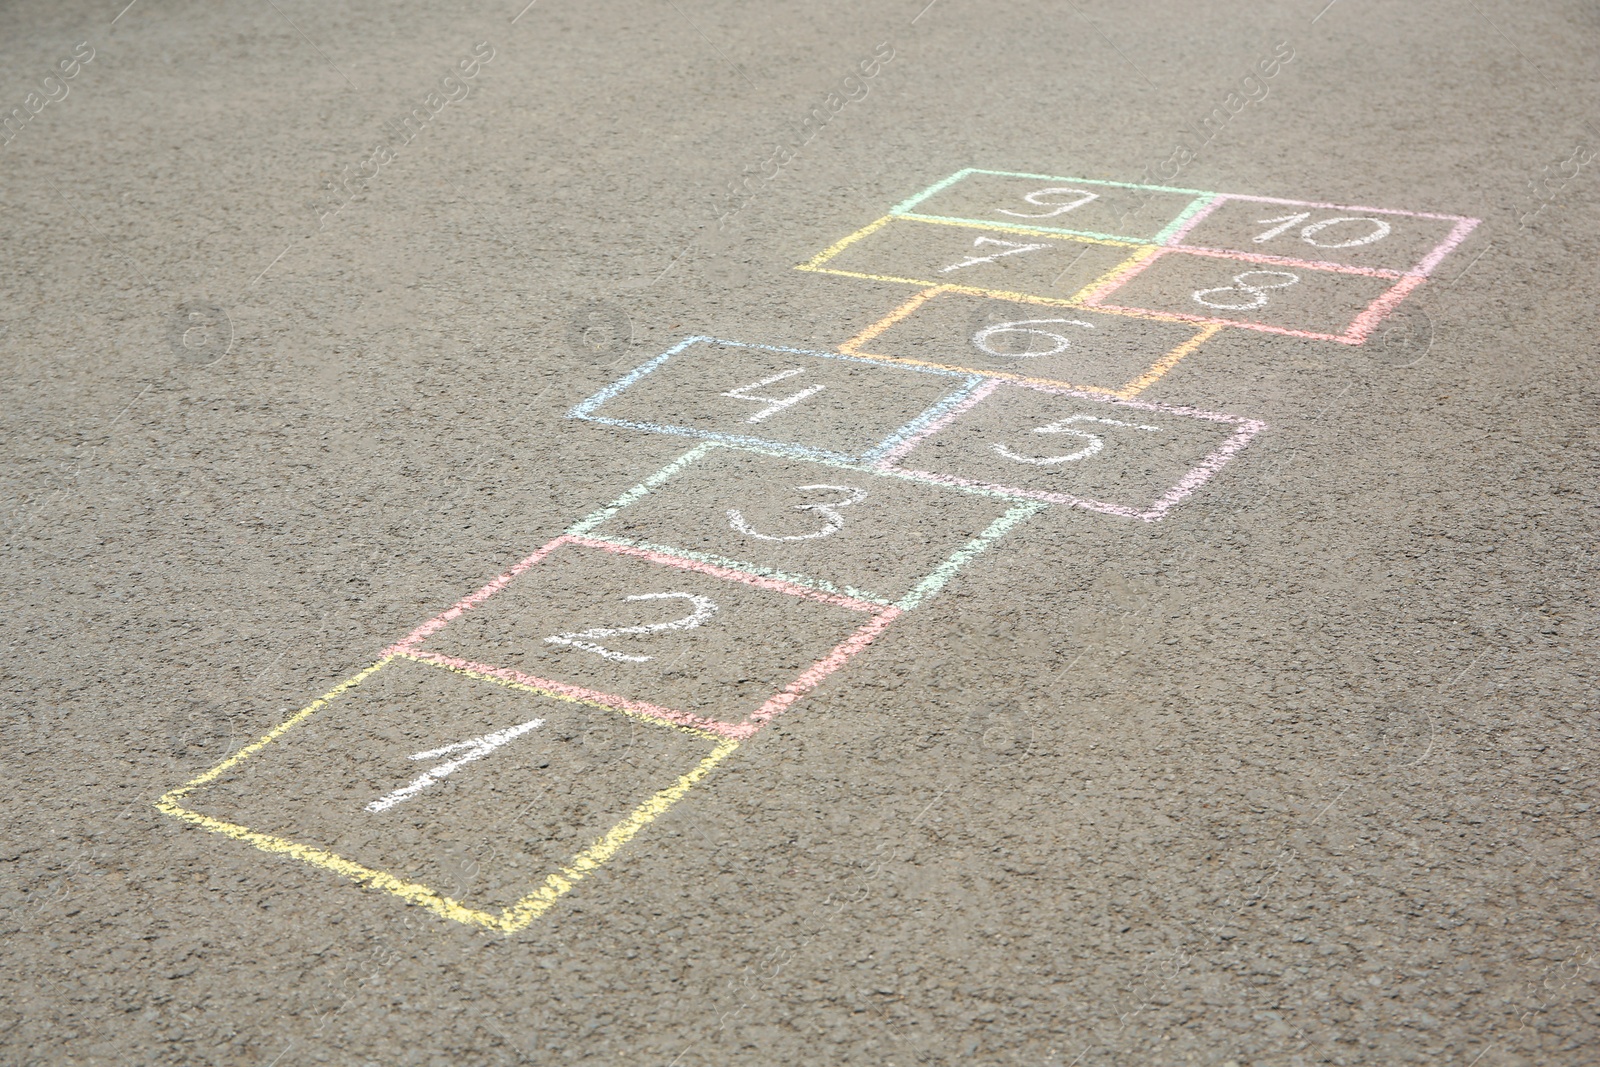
pixel 1257 291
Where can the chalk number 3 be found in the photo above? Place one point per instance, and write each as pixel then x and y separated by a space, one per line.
pixel 832 521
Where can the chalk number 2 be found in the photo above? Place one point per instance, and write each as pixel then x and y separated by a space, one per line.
pixel 704 609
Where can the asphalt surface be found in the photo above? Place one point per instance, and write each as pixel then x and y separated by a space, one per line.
pixel 1012 638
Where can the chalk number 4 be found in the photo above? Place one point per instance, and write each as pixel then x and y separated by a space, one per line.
pixel 774 404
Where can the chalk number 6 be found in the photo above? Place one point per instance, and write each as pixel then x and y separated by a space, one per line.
pixel 1061 342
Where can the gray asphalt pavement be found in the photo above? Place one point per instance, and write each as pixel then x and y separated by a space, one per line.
pixel 693 533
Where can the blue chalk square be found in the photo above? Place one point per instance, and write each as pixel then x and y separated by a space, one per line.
pixel 809 405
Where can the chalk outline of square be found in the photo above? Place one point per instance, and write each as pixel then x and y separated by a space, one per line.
pixel 1356 333
pixel 1128 391
pixel 880 616
pixel 1199 198
pixel 927 587
pixel 1185 487
pixel 508 920
pixel 1421 269
pixel 1139 250
pixel 585 408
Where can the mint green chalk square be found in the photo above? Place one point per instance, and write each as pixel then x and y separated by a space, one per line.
pixel 838 528
pixel 1082 207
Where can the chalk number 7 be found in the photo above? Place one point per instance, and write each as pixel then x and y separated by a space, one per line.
pixel 1012 248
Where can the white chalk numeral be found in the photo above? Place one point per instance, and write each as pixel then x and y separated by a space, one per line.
pixel 832 520
pixel 1095 441
pixel 774 404
pixel 1258 292
pixel 1061 343
pixel 1012 248
pixel 704 609
pixel 1380 230
pixel 1285 220
pixel 474 748
pixel 1057 207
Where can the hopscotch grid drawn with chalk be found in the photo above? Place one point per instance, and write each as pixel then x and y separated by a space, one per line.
pixel 827 494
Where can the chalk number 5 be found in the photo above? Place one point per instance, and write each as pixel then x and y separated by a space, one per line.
pixel 1094 442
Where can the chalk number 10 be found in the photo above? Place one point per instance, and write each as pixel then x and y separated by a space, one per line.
pixel 1377 231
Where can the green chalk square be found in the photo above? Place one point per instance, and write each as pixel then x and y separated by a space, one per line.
pixel 1078 207
pixel 838 528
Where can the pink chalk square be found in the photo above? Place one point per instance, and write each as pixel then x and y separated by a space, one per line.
pixel 679 640
pixel 1127 458
pixel 1326 235
pixel 1256 293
